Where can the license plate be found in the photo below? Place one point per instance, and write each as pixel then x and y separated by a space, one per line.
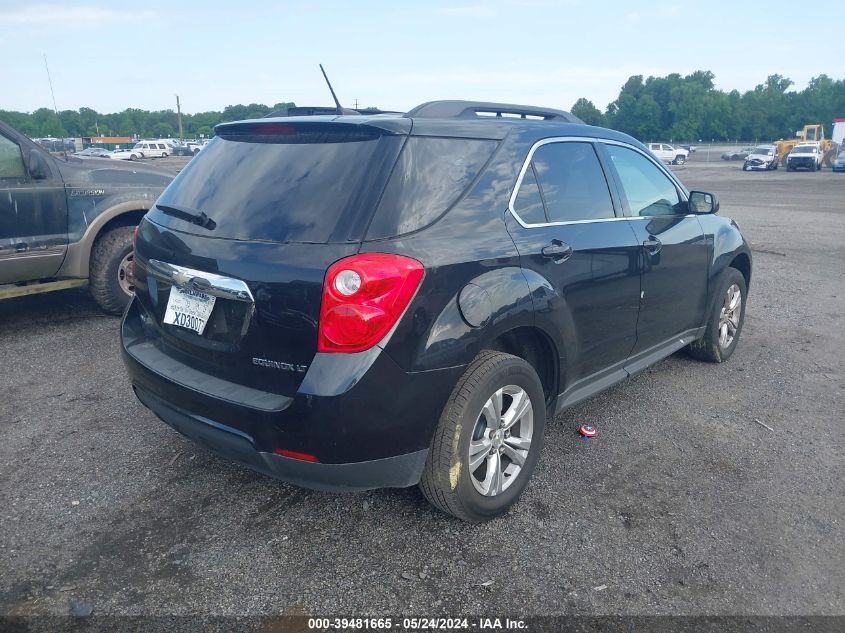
pixel 189 309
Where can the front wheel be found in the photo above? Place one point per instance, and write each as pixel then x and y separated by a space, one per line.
pixel 488 439
pixel 724 323
pixel 111 281
pixel 680 159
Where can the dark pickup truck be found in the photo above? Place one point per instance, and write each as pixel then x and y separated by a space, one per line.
pixel 65 222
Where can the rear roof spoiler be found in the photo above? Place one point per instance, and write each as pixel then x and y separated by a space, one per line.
pixel 323 110
pixel 483 109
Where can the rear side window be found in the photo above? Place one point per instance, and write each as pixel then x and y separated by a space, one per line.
pixel 430 175
pixel 297 186
pixel 11 161
pixel 572 182
pixel 648 190
pixel 528 204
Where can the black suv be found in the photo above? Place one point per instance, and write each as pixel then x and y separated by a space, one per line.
pixel 351 302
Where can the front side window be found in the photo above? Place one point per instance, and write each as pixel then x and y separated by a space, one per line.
pixel 161 145
pixel 572 182
pixel 11 160
pixel 648 190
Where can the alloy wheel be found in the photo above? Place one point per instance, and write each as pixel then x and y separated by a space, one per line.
pixel 501 440
pixel 729 316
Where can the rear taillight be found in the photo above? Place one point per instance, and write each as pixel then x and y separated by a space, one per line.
pixel 363 297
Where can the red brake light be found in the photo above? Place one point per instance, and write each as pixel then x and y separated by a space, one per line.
pixel 363 297
pixel 274 129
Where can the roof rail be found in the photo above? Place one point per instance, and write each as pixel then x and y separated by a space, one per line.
pixel 482 109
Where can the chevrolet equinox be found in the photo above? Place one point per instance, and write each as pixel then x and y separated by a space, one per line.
pixel 360 301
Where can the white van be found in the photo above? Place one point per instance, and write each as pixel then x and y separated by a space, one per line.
pixel 153 149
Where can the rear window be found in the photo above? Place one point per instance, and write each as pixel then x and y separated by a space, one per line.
pixel 305 186
pixel 429 177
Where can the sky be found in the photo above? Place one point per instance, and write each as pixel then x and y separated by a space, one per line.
pixel 111 54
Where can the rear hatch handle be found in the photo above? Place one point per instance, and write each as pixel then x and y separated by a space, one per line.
pixel 200 281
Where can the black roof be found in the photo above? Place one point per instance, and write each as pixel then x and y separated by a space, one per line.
pixel 468 119
pixel 484 109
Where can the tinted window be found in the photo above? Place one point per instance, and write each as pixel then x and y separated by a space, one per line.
pixel 11 161
pixel 648 190
pixel 572 182
pixel 430 175
pixel 161 145
pixel 296 187
pixel 528 204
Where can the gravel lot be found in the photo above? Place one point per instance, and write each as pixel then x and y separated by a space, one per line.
pixel 683 504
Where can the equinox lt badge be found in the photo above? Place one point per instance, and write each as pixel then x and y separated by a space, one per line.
pixel 276 364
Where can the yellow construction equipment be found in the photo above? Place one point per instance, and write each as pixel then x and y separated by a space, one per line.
pixel 811 133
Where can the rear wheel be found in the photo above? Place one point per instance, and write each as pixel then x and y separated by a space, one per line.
pixel 111 280
pixel 488 439
pixel 724 323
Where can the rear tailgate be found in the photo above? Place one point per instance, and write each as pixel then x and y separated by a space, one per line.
pixel 255 220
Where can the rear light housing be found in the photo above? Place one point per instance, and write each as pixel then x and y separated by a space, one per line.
pixel 363 298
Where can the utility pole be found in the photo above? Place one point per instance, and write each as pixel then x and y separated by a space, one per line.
pixel 179 117
pixel 356 104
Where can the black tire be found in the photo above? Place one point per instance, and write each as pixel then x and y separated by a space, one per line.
pixel 104 276
pixel 680 160
pixel 707 348
pixel 446 480
pixel 164 154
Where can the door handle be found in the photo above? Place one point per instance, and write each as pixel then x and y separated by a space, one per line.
pixel 653 245
pixel 557 251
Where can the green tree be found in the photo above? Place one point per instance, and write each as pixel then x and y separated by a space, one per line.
pixel 162 130
pixel 587 112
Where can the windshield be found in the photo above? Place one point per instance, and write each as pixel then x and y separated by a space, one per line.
pixel 301 187
pixel 765 151
pixel 804 149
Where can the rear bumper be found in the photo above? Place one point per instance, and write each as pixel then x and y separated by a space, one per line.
pixel 391 472
pixel 367 422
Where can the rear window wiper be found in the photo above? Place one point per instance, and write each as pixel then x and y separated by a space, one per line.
pixel 188 214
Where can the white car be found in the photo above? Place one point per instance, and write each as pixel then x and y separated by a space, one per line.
pixel 669 153
pixel 762 157
pixel 125 154
pixel 805 156
pixel 153 149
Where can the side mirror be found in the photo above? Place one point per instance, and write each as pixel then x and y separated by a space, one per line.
pixel 38 169
pixel 702 202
